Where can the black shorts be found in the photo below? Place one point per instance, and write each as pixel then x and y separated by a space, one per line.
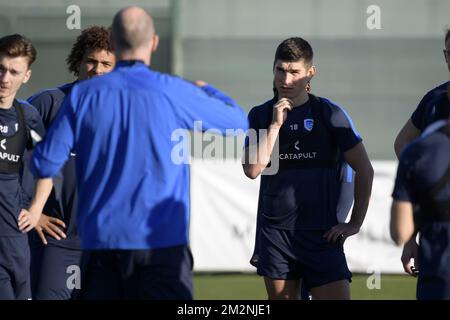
pixel 55 271
pixel 301 254
pixel 15 268
pixel 433 282
pixel 160 274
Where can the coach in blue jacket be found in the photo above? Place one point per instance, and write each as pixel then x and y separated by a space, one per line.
pixel 133 208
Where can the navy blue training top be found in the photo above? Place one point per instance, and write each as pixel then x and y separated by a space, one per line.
pixel 433 107
pixel 305 192
pixel 127 130
pixel 62 202
pixel 422 164
pixel 11 193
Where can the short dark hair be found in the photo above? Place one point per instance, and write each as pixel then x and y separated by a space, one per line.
pixel 294 49
pixel 16 45
pixel 447 35
pixel 92 38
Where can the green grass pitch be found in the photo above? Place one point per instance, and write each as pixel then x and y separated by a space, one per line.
pixel 251 287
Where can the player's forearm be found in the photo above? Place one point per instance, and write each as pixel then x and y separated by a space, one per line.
pixel 259 156
pixel 43 189
pixel 408 133
pixel 363 190
pixel 402 222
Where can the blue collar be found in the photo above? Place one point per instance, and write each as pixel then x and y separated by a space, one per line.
pixel 129 63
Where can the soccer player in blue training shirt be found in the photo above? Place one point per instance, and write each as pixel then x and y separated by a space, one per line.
pixel 20 126
pixel 423 179
pixel 432 107
pixel 346 194
pixel 133 185
pixel 55 261
pixel 300 239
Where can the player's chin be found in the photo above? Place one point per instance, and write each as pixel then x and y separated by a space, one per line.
pixel 287 93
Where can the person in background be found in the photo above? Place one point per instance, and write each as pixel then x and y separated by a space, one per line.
pixel 423 180
pixel 433 107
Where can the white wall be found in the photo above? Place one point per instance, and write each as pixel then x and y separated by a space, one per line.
pixel 223 220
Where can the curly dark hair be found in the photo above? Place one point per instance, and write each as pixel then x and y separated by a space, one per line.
pixel 447 35
pixel 92 38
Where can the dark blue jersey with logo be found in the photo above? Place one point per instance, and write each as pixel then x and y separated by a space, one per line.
pixel 62 202
pixel 10 190
pixel 306 190
pixel 422 164
pixel 433 107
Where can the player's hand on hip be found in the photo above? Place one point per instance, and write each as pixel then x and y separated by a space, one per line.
pixel 410 256
pixel 340 232
pixel 52 226
pixel 28 220
pixel 280 110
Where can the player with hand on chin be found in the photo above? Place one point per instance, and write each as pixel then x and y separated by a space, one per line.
pixel 304 144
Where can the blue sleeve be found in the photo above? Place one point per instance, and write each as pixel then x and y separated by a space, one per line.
pixel 253 120
pixel 213 92
pixel 419 116
pixel 403 188
pixel 254 127
pixel 34 121
pixel 27 180
pixel 432 107
pixel 52 152
pixel 214 109
pixel 43 102
pixel 342 128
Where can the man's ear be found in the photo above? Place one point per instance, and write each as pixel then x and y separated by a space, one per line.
pixel 27 76
pixel 312 72
pixel 155 42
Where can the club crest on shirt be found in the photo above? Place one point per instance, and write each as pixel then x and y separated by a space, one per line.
pixel 308 124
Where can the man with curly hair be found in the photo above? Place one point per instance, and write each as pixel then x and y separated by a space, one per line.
pixel 55 246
